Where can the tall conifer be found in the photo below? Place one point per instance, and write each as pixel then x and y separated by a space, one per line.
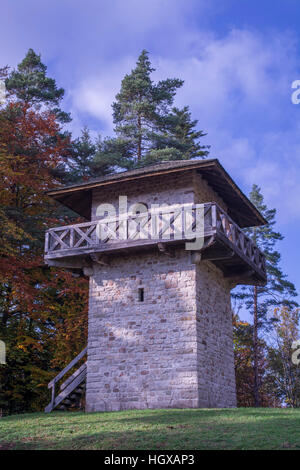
pixel 261 300
pixel 148 128
pixel 30 84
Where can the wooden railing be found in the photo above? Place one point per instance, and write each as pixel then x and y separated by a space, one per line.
pixel 70 384
pixel 242 244
pixel 164 223
pixel 180 222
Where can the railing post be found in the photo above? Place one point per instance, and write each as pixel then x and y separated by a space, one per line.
pixel 214 216
pixel 53 394
pixel 47 242
pixel 71 237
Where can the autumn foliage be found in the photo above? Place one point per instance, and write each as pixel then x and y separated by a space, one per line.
pixel 44 311
pixel 244 370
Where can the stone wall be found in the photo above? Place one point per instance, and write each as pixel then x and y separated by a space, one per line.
pixel 204 193
pixel 168 189
pixel 189 187
pixel 216 377
pixel 143 354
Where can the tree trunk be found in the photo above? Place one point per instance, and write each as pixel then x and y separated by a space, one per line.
pixel 6 311
pixel 139 149
pixel 255 349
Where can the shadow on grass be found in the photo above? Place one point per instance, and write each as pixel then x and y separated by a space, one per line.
pixel 211 415
pixel 166 429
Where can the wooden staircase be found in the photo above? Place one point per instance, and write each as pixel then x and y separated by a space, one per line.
pixel 72 390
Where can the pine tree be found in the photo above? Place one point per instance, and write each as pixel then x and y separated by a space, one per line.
pixel 88 158
pixel 30 84
pixel 182 136
pixel 108 158
pixel 261 300
pixel 140 110
pixel 148 129
pixel 80 159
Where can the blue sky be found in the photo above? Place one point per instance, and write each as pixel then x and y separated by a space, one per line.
pixel 238 59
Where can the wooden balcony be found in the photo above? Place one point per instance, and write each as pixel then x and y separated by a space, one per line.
pixel 221 241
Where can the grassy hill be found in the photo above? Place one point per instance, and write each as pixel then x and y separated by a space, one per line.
pixel 242 428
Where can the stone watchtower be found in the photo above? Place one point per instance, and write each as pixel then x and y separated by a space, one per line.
pixel 162 259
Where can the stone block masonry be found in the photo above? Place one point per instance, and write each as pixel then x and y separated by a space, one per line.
pixel 173 349
pixel 215 359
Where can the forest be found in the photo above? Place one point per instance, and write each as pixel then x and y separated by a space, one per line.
pixel 43 310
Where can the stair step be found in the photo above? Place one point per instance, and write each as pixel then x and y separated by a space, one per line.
pixel 67 401
pixel 71 394
pixel 73 376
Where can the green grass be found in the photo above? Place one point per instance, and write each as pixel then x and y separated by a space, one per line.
pixel 241 428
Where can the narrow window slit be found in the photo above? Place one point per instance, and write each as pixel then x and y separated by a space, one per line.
pixel 141 294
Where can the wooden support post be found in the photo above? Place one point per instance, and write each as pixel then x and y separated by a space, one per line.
pixel 163 249
pixel 75 272
pixel 87 271
pixel 195 257
pixel 100 259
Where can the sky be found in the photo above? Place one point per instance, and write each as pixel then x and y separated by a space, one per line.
pixel 238 60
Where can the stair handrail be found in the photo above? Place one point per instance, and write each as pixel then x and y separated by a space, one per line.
pixel 71 364
pixel 72 377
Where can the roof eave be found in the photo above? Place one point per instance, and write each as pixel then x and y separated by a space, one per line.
pixel 59 193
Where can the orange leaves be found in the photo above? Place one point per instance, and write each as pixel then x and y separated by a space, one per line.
pixel 44 311
pixel 32 145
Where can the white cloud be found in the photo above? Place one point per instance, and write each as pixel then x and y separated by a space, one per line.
pixel 95 95
pixel 239 89
pixel 237 84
